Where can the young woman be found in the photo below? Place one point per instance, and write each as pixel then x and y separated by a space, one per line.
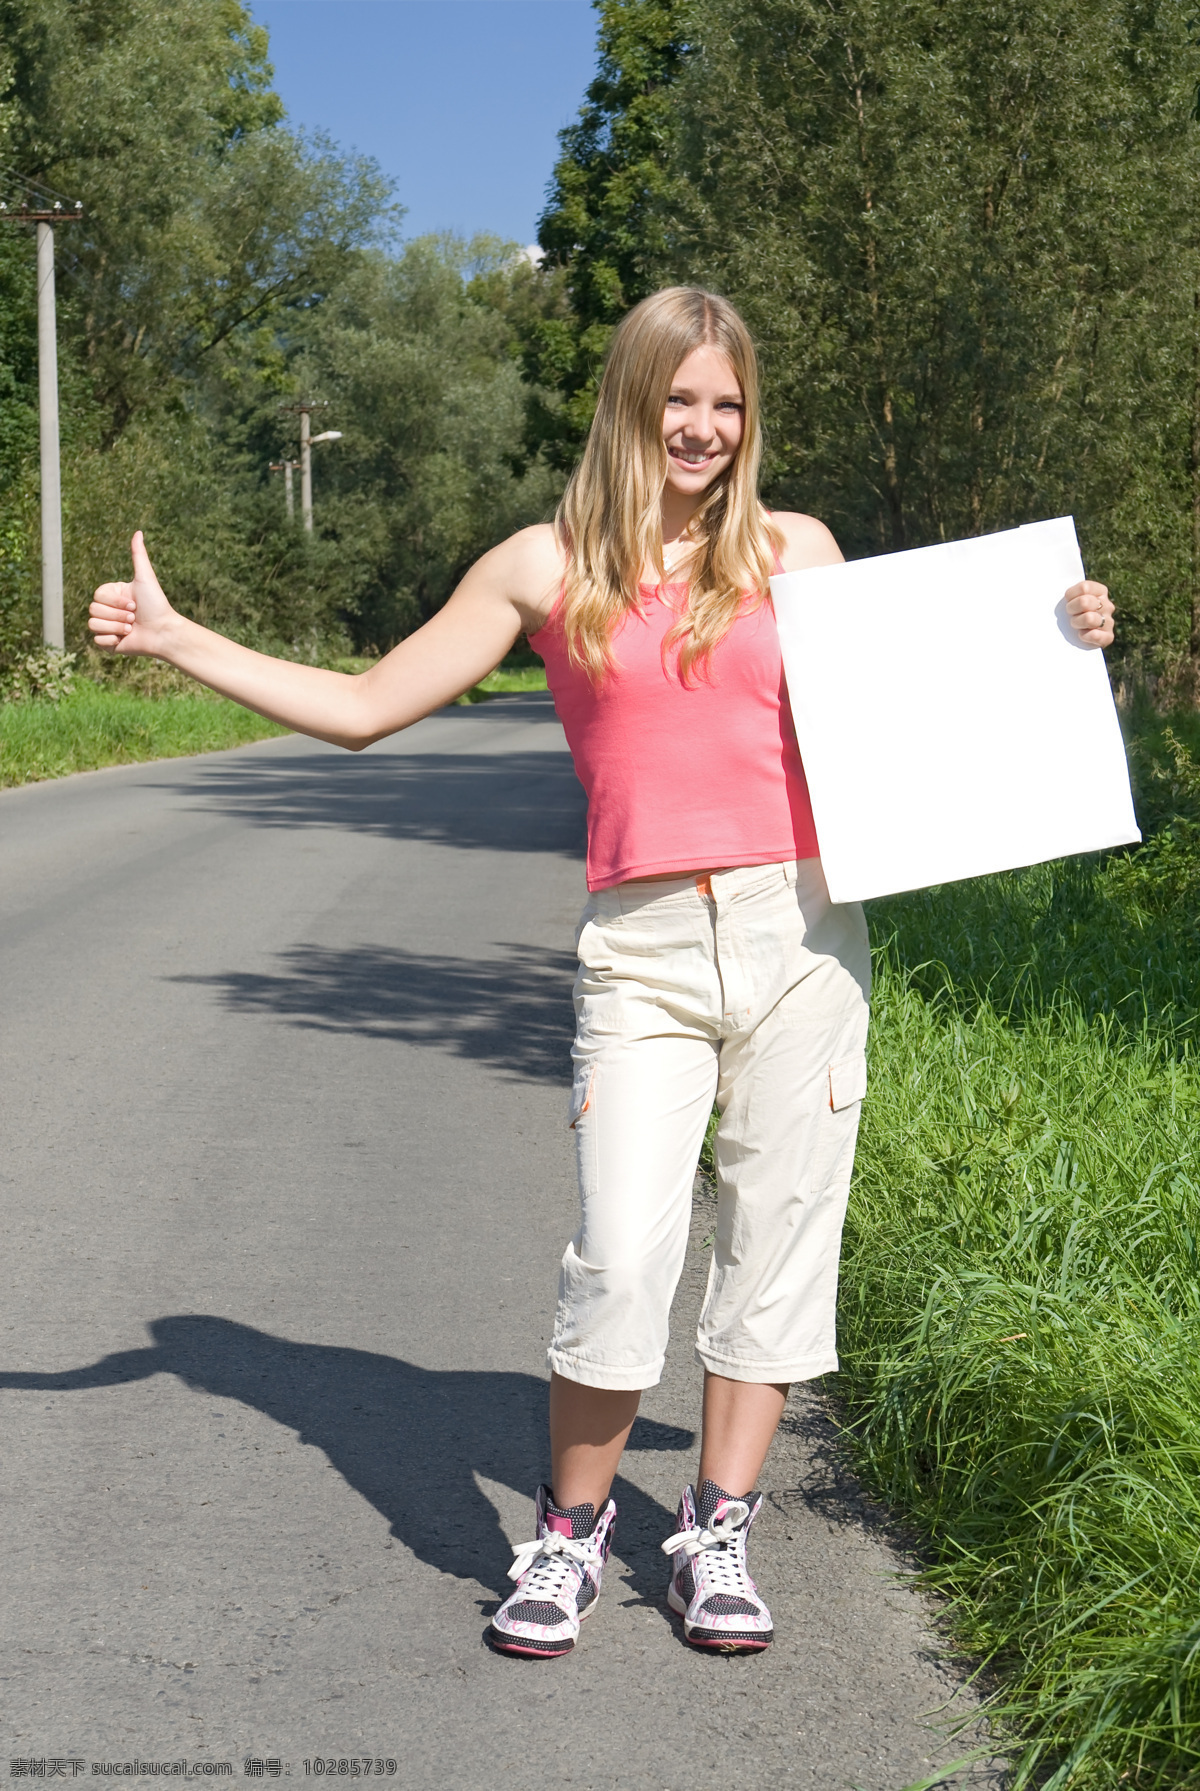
pixel 712 962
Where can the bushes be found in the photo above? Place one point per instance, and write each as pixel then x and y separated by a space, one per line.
pixel 46 673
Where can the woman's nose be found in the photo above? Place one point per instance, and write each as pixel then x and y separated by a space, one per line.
pixel 699 426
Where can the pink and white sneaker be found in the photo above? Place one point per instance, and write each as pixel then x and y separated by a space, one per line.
pixel 710 1587
pixel 558 1579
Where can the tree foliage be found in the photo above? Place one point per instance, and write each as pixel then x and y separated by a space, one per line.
pixel 202 211
pixel 226 266
pixel 608 224
pixel 966 234
pixel 967 238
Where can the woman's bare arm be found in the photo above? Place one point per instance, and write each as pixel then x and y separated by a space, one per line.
pixel 511 590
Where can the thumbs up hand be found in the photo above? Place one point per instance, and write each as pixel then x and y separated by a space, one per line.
pixel 134 617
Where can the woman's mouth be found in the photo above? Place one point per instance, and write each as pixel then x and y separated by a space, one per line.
pixel 686 457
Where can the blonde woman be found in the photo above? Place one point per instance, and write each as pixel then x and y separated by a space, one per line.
pixel 712 962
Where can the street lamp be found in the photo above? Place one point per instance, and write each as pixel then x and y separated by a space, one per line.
pixel 307 443
pixel 305 407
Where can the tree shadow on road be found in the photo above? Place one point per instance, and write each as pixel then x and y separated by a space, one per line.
pixel 512 1012
pixel 409 1440
pixel 503 802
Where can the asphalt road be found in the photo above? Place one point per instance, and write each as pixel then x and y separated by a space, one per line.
pixel 285 1180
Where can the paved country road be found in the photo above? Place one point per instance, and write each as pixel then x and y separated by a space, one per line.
pixel 285 1181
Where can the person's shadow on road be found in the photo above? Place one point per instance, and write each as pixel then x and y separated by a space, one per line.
pixel 410 1440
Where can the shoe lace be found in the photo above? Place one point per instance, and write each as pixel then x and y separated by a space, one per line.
pixel 718 1542
pixel 547 1561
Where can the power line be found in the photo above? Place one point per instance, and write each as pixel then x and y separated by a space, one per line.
pixel 27 201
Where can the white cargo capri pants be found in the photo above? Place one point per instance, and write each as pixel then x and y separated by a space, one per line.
pixel 757 996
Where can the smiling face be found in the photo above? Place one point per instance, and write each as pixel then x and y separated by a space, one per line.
pixel 703 422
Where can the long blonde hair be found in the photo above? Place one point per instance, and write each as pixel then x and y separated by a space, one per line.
pixel 610 518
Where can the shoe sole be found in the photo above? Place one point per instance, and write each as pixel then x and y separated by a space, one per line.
pixel 531 1650
pixel 536 1650
pixel 720 1641
pixel 729 1644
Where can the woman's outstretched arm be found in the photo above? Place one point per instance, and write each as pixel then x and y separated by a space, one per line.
pixel 509 591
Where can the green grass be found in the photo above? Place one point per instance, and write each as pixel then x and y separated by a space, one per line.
pixel 506 679
pixel 1020 1315
pixel 112 724
pixel 104 725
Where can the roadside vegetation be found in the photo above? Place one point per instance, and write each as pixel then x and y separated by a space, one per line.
pixel 967 239
pixel 522 670
pixel 227 265
pixel 98 725
pixel 54 721
pixel 1020 1317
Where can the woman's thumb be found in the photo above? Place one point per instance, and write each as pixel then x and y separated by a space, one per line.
pixel 141 559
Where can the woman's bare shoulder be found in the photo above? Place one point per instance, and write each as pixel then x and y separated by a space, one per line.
pixel 529 567
pixel 807 542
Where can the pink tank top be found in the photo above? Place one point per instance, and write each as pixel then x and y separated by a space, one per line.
pixel 682 777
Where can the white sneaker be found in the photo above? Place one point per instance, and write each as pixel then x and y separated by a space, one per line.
pixel 558 1579
pixel 710 1587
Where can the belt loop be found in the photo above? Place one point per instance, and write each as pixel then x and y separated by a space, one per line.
pixel 704 885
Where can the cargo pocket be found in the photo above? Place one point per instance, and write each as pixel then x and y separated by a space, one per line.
pixel 847 1081
pixel 581 1093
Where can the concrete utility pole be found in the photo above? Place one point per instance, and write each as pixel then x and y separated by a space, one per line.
pixel 287 468
pixel 53 627
pixel 305 407
pixel 39 206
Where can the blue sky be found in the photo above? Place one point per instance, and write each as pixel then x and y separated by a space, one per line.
pixel 460 101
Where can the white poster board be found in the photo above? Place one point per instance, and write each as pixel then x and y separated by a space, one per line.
pixel 949 721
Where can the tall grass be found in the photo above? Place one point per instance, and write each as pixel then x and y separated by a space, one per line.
pixel 1020 1318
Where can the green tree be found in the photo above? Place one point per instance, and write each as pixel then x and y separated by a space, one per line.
pixel 208 224
pixel 964 225
pixel 204 213
pixel 966 238
pixel 417 355
pixel 226 266
pixel 607 226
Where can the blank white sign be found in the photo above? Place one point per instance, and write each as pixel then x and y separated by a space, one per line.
pixel 949 721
